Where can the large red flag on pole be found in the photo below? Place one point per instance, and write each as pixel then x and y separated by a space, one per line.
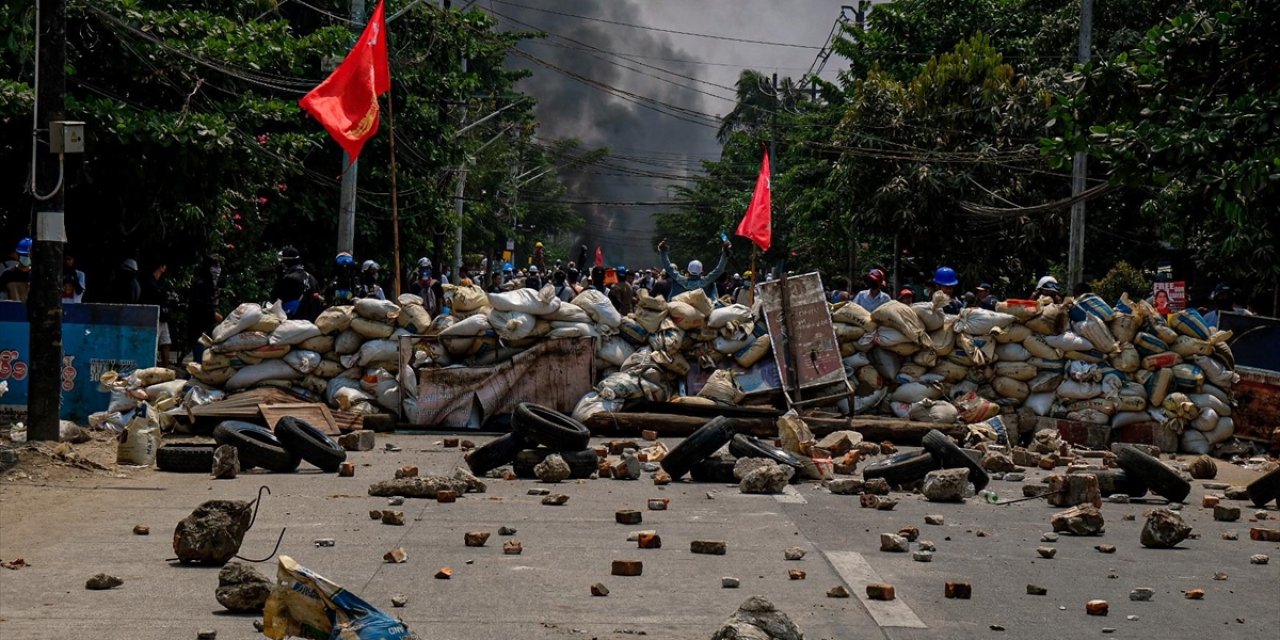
pixel 346 103
pixel 755 225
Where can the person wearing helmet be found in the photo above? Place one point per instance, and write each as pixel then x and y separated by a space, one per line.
pixel 426 286
pixel 297 290
pixel 539 259
pixel 533 280
pixel 368 286
pixel 15 282
pixel 1224 300
pixel 874 295
pixel 945 280
pixel 157 291
pixel 342 288
pixel 696 278
pixel 906 296
pixel 986 299
pixel 623 295
pixel 124 287
pixel 1048 287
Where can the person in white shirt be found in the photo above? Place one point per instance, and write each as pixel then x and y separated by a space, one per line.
pixel 873 296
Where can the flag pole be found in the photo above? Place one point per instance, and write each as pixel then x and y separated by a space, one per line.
pixel 751 296
pixel 395 202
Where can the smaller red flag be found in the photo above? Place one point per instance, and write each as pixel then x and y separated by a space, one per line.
pixel 756 224
pixel 346 103
pixel 599 257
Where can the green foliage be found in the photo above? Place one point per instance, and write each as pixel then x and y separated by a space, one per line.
pixel 1122 278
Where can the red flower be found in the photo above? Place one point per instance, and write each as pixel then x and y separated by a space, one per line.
pixel 280 186
pixel 263 138
pixel 262 200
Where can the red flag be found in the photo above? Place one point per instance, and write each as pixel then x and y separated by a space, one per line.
pixel 599 257
pixel 346 103
pixel 755 224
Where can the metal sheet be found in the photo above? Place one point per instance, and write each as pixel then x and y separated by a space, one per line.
pixel 807 331
pixel 553 373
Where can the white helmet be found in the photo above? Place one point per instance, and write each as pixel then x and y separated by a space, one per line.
pixel 424 262
pixel 369 265
pixel 695 267
pixel 533 268
pixel 1045 280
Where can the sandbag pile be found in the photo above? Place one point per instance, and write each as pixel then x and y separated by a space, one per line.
pixel 348 357
pixel 1081 360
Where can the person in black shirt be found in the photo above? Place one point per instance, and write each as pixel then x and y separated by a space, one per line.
pixel 202 304
pixel 157 291
pixel 297 290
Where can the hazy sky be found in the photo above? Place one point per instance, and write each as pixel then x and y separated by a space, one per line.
pixel 688 72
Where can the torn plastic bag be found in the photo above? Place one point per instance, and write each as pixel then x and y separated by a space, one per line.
pixel 307 605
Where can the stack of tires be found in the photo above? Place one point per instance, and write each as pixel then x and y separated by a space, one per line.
pixel 695 455
pixel 537 432
pixel 280 451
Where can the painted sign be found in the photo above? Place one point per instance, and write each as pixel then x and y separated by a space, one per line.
pixel 1169 297
pixel 807 337
pixel 96 338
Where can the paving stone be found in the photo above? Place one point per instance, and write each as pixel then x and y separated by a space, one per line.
pixel 935 520
pixel 512 547
pixel 838 591
pixel 708 547
pixel 475 538
pixel 627 568
pixel 880 591
pixel 894 543
pixel 793 553
pixel 599 590
pixel 729 582
pixel 396 556
pixel 958 590
pixel 1097 607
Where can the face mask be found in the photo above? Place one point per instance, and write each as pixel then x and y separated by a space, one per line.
pixel 24 261
pixel 216 272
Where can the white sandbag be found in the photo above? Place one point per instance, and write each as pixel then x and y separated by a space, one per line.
pixel 1194 442
pixel 163 390
pixel 375 351
pixel 371 329
pixel 732 313
pixel 1040 403
pixel 265 352
pixel 1074 390
pixel 887 336
pixel 319 344
pixel 1225 429
pixel 856 361
pixel 950 371
pixel 327 368
pixel 667 338
pixel 268 370
pixel 292 332
pixel 240 319
pixel 466 298
pixel 944 339
pixel 413 315
pixel 1016 370
pixel 848 332
pixel 138 442
pixel 926 358
pixel 614 350
pixel 696 298
pixel 347 342
pixel 930 312
pixel 525 300
pixel 904 319
pixel 1215 372
pixel 1010 388
pixel 1012 352
pixel 473 326
pixel 854 314
pixel 1127 359
pixel 751 354
pixel 913 392
pixel 1051 321
pixel 213 378
pixel 512 324
pixel 568 312
pixel 1014 333
pixel 977 321
pixel 335 319
pixel 570 330
pixel 1126 418
pixel 303 361
pixel 1096 332
pixel 384 311
pixel 1083 372
pixel 729 346
pixel 598 308
pixel 685 315
pixel 244 341
pixel 937 411
pixel 1207 420
pixel 1045 382
pixel 1068 341
pixel 591 404
pixel 1123 327
pixel 885 362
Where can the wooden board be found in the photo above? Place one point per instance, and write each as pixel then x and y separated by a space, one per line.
pixel 314 413
pixel 244 405
pixel 667 425
pixel 802 335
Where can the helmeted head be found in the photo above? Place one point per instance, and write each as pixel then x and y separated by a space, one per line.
pixel 24 247
pixel 946 277
pixel 370 266
pixel 695 267
pixel 537 245
pixel 906 296
pixel 129 265
pixel 344 260
pixel 533 269
pixel 1042 282
pixel 875 277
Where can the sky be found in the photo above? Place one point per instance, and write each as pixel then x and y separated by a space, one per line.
pixel 616 86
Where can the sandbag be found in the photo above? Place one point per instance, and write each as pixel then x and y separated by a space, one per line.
pixel 938 411
pixel 1161 360
pixel 1040 403
pixel 1015 333
pixel 1039 348
pixel 1207 420
pixel 950 371
pixel 327 368
pixel 1215 372
pixel 722 387
pixel 302 361
pixel 591 404
pixel 598 308
pixel 724 315
pixel 977 321
pixel 1016 370
pixel 291 332
pixel 1092 328
pixel 240 319
pixel 512 324
pixel 901 317
pixel 854 314
pixel 267 370
pixel 1095 306
pixel 1124 328
pixel 1126 359
pixel 1068 341
pixel 885 362
pixel 526 300
pixel 1010 388
pixel 1149 345
pixel 729 346
pixel 244 341
pixel 568 312
pixel 335 319
pixel 1045 382
pixel 748 356
pixel 913 392
pixel 1193 442
pixel 371 329
pixel 1022 310
pixel 213 378
pixel 1126 418
pixel 975 408
pixel 1189 322
pixel 375 351
pixel 570 330
pixel 413 315
pixel 930 311
pixel 1074 390
pixel 1188 377
pixel 347 342
pixel 847 332
pixel 1187 347
pixel 613 350
pixel 1012 352
pixel 467 298
pixel 1158 386
pixel 685 315
pixel 1225 429
pixel 944 339
pixel 696 298
pixel 1048 364
pixel 472 326
pixel 1051 321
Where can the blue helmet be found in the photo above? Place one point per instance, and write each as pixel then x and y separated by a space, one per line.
pixel 24 246
pixel 946 276
pixel 344 259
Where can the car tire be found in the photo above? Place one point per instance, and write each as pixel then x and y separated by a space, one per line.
pixel 1113 481
pixel 902 468
pixel 310 444
pixel 257 446
pixel 951 456
pixel 700 444
pixel 581 463
pixel 718 470
pixel 1265 489
pixel 549 427
pixel 745 446
pixel 495 453
pixel 1152 473
pixel 185 458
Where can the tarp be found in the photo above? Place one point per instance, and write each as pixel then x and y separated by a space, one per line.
pixel 552 373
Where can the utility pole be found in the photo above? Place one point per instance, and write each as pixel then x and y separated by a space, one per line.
pixel 347 197
pixel 459 194
pixel 44 301
pixel 1079 165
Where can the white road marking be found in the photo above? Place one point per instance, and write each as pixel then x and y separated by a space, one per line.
pixel 855 571
pixel 789 495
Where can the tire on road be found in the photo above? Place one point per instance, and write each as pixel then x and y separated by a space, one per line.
pixel 496 452
pixel 1265 489
pixel 185 458
pixel 257 446
pixel 1162 480
pixel 310 444
pixel 697 447
pixel 581 463
pixel 549 427
pixel 717 470
pixel 953 457
pixel 1113 481
pixel 902 468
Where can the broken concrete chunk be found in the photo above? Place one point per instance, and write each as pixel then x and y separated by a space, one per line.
pixel 876 486
pixel 446 496
pixel 845 486
pixel 1141 594
pixel 407 471
pixel 226 462
pixel 396 556
pixel 1164 529
pixel 473 484
pixel 628 467
pixel 658 504
pixel 1263 534
pixel 839 443
pixel 475 538
pixel 213 533
pixel 772 478
pixel 880 591
pixel 417 487
pixel 102 582
pixel 555 500
pixel 945 485
pixel 553 468
pixel 1194 594
pixel 922 556
pixel 346 470
pixel 1105 548
pixel 393 517
pixel 599 590
pixel 708 547
pixel 1069 490
pixel 1034 590
pixel 649 540
pixel 444 573
pixel 758 619
pixel 729 582
pixel 1083 520
pixel 1223 513
pixel 838 591
pixel 241 588
pixel 512 547
pixel 934 520
pixel 1259 558
pixel 627 568
pixel 796 574
pixel 628 516
pixel 399 600
pixel 997 462
pixel 506 531
pixel 141 530
pixel 958 590
pixel 909 532
pixel 744 466
pixel 1047 552
pixel 362 440
pixel 793 553
pixel 894 543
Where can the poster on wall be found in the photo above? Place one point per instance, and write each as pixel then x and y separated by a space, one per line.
pixel 1169 297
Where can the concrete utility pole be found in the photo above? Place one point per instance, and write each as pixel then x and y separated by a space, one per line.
pixel 347 197
pixel 1079 165
pixel 44 301
pixel 459 196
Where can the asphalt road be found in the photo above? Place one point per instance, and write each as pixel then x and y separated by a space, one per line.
pixel 72 530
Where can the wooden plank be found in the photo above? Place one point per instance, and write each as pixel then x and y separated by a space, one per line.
pixel 347 421
pixel 313 413
pixel 244 405
pixel 875 429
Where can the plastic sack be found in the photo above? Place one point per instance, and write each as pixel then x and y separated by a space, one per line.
pixel 1097 333
pixel 1016 370
pixel 251 375
pixel 1095 306
pixel 939 411
pixel 975 408
pixel 854 314
pixel 847 332
pixel 1010 388
pixel 213 378
pixel 914 392
pixel 467 298
pixel 591 404
pixel 244 341
pixel 1161 360
pixel 1148 344
pixel 291 332
pixel 1040 403
pixel 1015 333
pixel 696 298
pixel 568 312
pixel 473 326
pixel 526 300
pixel 1052 320
pixel 930 311
pixel 1023 310
pixel 614 350
pixel 307 605
pixel 598 308
pixel 1069 341
pixel 371 329
pixel 376 351
pixel 1225 429
pixel 1012 352
pixel 161 390
pixel 794 433
pixel 1045 382
pixel 303 361
pixel 1188 376
pixel 904 319
pixel 1189 322
pixel 319 344
pixel 685 315
pixel 1124 328
pixel 138 442
pixel 722 387
pixel 271 318
pixel 1194 442
pixel 570 330
pixel 977 321
pixel 1187 347
pixel 1073 390
pixel 413 315
pixel 512 324
pixel 944 339
pixel 1040 348
pixel 1158 385
pixel 748 356
pixel 1126 360
pixel 1215 372
pixel 243 317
